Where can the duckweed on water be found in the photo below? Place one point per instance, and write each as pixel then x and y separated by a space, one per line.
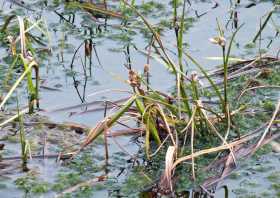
pixel 66 180
pixel 137 182
pixel 85 164
pixel 250 184
pixel 31 184
pixel 240 191
pixel 274 177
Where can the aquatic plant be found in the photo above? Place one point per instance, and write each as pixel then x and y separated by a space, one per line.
pixel 25 147
pixel 184 121
pixel 24 57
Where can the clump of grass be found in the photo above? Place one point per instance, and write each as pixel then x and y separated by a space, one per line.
pixel 183 124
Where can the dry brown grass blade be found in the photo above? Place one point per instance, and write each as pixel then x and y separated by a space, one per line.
pixel 188 125
pixel 12 89
pixel 123 132
pixel 14 117
pixel 192 150
pixel 215 130
pixel 215 149
pixel 106 148
pixel 238 67
pixel 251 64
pixel 166 179
pixel 107 123
pixel 94 133
pixel 166 124
pixel 277 109
pixel 100 103
pixel 74 126
pixel 159 147
pixel 90 183
pixel 257 87
pixel 90 7
pixel 22 36
pixel 228 167
pixel 238 149
pixel 59 156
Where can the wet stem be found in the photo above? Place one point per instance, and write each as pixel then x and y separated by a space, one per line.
pixel 174 12
pixel 23 145
pixel 23 141
pixel 225 105
pixel 179 30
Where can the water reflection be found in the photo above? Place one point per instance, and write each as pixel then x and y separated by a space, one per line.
pixel 85 64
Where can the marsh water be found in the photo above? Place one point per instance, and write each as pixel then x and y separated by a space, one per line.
pixel 65 83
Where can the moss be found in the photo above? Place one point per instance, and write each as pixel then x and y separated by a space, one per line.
pixel 65 180
pixel 248 195
pixel 250 45
pixel 13 139
pixel 165 23
pixel 235 176
pixel 276 187
pixel 84 163
pixel 99 187
pixel 250 184
pixel 84 192
pixel 266 194
pixel 240 191
pixel 136 181
pixel 41 187
pixel 31 184
pixel 262 168
pixel 262 151
pixel 268 105
pixel 274 177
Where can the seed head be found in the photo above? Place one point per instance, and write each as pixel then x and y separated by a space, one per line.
pixel 218 40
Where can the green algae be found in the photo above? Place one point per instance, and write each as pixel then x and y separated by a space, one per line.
pixel 274 177
pixel 30 184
